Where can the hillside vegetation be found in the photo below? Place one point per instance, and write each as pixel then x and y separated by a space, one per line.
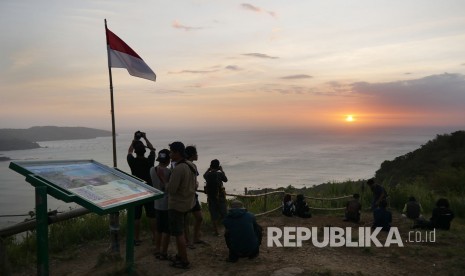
pixel 439 165
pixel 15 139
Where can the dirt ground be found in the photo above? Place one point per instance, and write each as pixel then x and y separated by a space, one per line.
pixel 438 258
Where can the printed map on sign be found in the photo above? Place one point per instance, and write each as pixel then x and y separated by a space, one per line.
pixel 93 182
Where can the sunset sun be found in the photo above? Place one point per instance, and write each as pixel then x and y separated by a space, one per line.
pixel 350 118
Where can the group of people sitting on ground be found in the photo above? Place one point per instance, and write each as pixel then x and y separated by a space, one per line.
pixel 382 217
pixel 298 208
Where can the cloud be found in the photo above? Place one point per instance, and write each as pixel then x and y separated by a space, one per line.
pixel 439 93
pixel 296 77
pixel 194 72
pixel 178 25
pixel 253 8
pixel 233 68
pixel 258 55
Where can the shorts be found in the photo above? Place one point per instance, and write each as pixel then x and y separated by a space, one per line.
pixel 176 222
pixel 149 210
pixel 196 207
pixel 217 208
pixel 163 225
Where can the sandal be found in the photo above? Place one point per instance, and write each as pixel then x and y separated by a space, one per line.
pixel 200 242
pixel 181 264
pixel 174 258
pixel 162 256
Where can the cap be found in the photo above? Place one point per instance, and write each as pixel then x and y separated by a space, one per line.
pixel 236 204
pixel 163 155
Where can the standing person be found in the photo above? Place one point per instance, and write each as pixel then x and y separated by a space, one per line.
pixel 379 193
pixel 181 196
pixel 242 233
pixel 140 167
pixel 191 152
pixel 160 176
pixel 353 207
pixel 382 217
pixel 216 195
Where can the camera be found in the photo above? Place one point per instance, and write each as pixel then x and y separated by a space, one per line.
pixel 138 135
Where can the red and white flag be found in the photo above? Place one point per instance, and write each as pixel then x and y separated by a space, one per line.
pixel 122 56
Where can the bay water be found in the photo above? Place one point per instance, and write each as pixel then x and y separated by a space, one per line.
pixel 253 159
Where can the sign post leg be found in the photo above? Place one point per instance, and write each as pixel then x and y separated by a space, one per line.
pixel 130 241
pixel 42 230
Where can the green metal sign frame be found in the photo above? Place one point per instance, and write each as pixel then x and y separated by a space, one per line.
pixel 94 186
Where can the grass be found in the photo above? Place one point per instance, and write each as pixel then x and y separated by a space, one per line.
pixel 21 251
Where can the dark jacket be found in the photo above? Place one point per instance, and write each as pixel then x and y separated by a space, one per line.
pixel 242 232
pixel 441 218
pixel 214 184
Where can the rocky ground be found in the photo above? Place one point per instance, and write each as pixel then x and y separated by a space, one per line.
pixel 443 257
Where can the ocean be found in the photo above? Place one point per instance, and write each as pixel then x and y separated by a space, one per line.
pixel 253 159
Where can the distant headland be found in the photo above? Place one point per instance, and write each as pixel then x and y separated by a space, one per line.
pixel 19 139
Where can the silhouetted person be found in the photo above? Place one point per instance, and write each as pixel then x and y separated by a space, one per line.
pixel 140 167
pixel 288 206
pixel 301 207
pixel 442 215
pixel 412 209
pixel 243 235
pixel 353 207
pixel 216 195
pixel 181 198
pixel 192 155
pixel 382 217
pixel 379 193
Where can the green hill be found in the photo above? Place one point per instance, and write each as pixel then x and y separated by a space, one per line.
pixel 15 139
pixel 439 164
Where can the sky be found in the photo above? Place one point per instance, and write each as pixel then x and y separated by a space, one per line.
pixel 235 64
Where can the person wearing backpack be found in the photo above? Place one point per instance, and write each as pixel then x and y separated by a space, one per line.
pixel 216 196
pixel 160 175
pixel 288 206
pixel 301 207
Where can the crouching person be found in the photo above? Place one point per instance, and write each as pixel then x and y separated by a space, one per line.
pixel 242 233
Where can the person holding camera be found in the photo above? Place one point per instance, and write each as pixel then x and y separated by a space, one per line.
pixel 216 195
pixel 140 167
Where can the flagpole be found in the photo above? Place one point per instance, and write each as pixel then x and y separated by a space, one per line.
pixel 114 217
pixel 111 99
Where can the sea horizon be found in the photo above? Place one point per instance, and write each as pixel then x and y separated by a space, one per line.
pixel 252 159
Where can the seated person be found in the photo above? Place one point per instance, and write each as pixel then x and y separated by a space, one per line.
pixel 288 206
pixel 382 217
pixel 353 207
pixel 301 208
pixel 242 233
pixel 412 209
pixel 440 219
pixel 442 215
